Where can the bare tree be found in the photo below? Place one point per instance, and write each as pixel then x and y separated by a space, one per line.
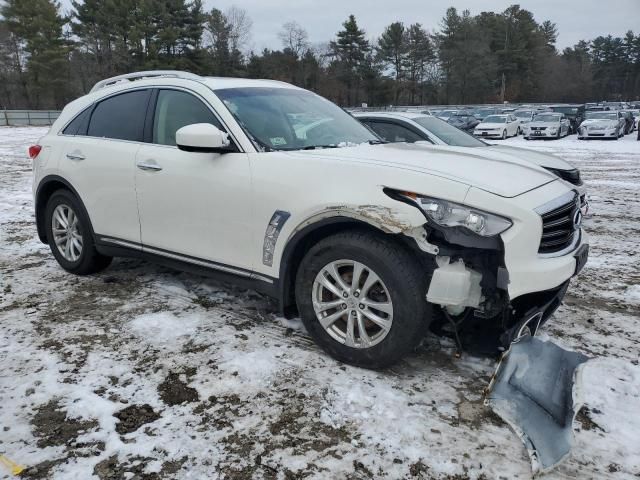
pixel 240 25
pixel 294 37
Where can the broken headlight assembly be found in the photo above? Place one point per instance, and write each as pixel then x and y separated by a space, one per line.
pixel 450 214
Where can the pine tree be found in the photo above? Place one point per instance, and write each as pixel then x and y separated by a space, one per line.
pixel 36 27
pixel 350 50
pixel 392 50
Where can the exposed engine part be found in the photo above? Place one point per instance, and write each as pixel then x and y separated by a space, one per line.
pixel 536 390
pixel 455 286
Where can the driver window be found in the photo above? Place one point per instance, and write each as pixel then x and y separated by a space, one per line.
pixel 392 132
pixel 176 109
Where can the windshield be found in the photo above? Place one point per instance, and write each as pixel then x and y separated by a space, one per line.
pixel 602 116
pixel 545 117
pixel 292 119
pixel 495 119
pixel 523 114
pixel 448 134
pixel 447 113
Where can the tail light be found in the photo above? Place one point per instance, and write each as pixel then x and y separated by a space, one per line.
pixel 34 150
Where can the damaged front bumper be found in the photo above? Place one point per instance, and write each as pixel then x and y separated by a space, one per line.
pixel 536 390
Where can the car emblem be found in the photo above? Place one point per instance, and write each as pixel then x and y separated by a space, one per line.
pixel 577 220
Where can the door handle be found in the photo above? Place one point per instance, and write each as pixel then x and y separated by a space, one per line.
pixel 75 156
pixel 150 167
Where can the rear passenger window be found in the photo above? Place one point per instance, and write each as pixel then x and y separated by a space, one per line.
pixel 120 117
pixel 176 109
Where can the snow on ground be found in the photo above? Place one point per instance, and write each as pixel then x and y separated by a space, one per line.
pixel 143 372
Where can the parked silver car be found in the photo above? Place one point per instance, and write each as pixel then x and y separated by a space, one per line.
pixel 547 125
pixel 608 124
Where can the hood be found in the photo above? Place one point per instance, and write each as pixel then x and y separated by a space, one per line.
pixel 599 122
pixel 491 125
pixel 545 160
pixel 503 175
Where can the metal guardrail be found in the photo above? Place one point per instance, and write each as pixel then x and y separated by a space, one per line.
pixel 24 118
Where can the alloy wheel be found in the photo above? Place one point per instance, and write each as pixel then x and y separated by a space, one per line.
pixel 66 232
pixel 352 304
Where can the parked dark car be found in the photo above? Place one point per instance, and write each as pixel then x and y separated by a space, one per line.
pixel 575 114
pixel 629 121
pixel 464 122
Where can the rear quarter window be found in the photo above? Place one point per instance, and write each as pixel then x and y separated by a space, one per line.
pixel 120 117
pixel 78 126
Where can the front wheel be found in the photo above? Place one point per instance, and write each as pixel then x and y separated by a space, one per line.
pixel 361 297
pixel 504 135
pixel 69 235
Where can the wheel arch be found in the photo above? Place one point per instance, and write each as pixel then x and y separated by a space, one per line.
pixel 47 187
pixel 302 240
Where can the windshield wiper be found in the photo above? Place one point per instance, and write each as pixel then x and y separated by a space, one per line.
pixel 377 142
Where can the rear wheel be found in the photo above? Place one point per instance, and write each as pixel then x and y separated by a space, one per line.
pixel 69 235
pixel 361 297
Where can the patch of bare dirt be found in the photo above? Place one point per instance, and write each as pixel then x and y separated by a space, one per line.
pixel 174 391
pixel 53 428
pixel 133 417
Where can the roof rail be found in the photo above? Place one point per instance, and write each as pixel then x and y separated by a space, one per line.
pixel 142 75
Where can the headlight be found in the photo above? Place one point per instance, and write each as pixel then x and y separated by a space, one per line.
pixel 449 214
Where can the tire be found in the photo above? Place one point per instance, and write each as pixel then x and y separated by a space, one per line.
pixel 518 132
pixel 404 284
pixel 504 135
pixel 81 258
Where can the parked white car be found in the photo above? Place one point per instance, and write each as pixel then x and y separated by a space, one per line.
pixel 415 127
pixel 498 126
pixel 366 241
pixel 607 124
pixel 548 125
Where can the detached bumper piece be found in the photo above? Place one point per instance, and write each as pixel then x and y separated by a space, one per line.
pixel 536 390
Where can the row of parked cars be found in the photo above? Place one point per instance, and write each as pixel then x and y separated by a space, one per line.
pixel 612 120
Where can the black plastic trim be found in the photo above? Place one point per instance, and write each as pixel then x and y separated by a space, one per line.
pixel 266 288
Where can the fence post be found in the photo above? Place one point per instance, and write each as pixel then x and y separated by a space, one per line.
pixel 6 117
pixel 28 118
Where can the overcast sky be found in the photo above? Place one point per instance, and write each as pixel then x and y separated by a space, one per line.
pixel 576 19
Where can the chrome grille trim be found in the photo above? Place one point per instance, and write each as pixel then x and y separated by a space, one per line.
pixel 559 233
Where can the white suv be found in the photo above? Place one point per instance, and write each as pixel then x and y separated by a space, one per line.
pixel 267 184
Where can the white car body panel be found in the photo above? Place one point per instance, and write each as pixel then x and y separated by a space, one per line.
pixel 199 204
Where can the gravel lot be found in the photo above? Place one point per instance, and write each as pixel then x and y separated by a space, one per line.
pixel 142 372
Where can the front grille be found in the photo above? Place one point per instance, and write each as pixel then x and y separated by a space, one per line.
pixel 538 128
pixel 559 227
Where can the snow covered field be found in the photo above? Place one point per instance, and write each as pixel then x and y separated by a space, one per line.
pixel 142 372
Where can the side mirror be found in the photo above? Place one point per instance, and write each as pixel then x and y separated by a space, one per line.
pixel 203 137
